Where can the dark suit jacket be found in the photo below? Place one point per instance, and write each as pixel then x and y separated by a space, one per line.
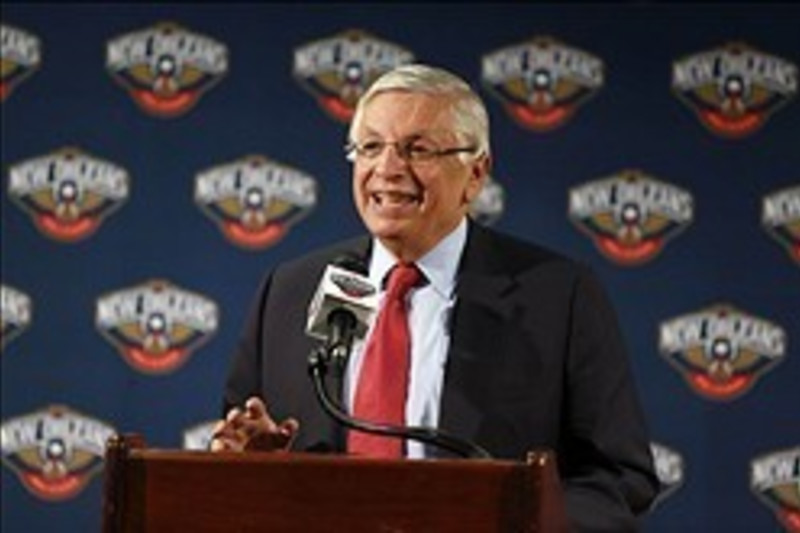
pixel 536 360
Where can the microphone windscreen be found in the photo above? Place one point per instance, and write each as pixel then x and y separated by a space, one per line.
pixel 341 289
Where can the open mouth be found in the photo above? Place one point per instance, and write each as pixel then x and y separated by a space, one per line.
pixel 394 198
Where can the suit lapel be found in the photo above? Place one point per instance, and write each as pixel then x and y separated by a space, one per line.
pixel 481 310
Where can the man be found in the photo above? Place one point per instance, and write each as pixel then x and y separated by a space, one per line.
pixel 512 346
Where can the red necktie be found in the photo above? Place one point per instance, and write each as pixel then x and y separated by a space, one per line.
pixel 383 381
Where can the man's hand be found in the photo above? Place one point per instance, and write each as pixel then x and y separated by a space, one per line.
pixel 252 428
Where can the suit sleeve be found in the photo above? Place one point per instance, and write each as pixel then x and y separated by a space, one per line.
pixel 606 460
pixel 244 375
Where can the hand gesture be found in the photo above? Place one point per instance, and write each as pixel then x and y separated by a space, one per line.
pixel 252 428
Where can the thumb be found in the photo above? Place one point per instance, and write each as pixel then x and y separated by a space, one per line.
pixel 289 427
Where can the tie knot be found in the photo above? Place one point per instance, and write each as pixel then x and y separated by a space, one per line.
pixel 402 277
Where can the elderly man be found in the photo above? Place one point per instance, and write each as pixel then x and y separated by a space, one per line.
pixel 501 342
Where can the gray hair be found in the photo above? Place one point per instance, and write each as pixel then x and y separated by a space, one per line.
pixel 469 113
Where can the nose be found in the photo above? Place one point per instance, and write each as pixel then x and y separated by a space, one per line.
pixel 389 161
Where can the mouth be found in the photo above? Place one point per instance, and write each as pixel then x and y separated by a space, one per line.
pixel 395 199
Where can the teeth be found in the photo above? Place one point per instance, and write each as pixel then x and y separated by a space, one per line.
pixel 393 197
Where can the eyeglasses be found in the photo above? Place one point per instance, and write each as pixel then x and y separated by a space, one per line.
pixel 410 150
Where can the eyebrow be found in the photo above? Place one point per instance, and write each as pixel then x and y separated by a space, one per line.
pixel 412 137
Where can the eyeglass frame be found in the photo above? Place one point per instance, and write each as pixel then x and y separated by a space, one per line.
pixel 354 149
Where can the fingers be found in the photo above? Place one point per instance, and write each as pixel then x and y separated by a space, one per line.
pixel 232 432
pixel 255 408
pixel 279 438
pixel 252 428
pixel 225 438
pixel 289 427
pixel 255 413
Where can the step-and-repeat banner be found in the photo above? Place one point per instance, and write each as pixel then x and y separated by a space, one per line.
pixel 158 160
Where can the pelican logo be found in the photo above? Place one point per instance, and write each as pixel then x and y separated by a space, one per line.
pixel 780 216
pixel 198 437
pixel 337 70
pixel 21 55
pixel 254 200
pixel 669 469
pixel 542 82
pixel 721 351
pixel 489 205
pixel 352 286
pixel 15 312
pixel 55 451
pixel 775 479
pixel 734 88
pixel 156 325
pixel 166 68
pixel 630 216
pixel 68 193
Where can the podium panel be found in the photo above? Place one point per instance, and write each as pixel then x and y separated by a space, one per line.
pixel 151 490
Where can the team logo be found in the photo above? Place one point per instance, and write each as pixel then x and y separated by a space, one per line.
pixel 734 88
pixel 669 469
pixel 156 326
pixel 166 68
pixel 198 437
pixel 55 451
pixel 720 350
pixel 352 286
pixel 489 205
pixel 337 70
pixel 20 54
pixel 68 193
pixel 775 479
pixel 15 313
pixel 254 200
pixel 542 82
pixel 630 216
pixel 780 216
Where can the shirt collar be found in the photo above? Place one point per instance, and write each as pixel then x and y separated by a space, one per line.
pixel 439 265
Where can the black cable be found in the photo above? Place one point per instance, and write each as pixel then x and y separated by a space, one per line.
pixel 318 368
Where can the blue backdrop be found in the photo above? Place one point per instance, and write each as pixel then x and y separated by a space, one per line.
pixel 62 361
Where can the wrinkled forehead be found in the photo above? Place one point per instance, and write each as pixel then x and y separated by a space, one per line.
pixel 405 114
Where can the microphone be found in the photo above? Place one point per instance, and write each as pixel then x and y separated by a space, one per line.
pixel 342 307
pixel 341 310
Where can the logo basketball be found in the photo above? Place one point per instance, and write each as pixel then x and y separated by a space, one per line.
pixel 21 54
pixel 337 70
pixel 775 479
pixel 542 82
pixel 15 312
pixel 734 88
pixel 68 193
pixel 156 325
pixel 166 68
pixel 780 216
pixel 721 351
pixel 489 205
pixel 255 201
pixel 55 451
pixel 630 216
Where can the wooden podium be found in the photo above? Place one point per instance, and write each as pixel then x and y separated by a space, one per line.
pixel 175 491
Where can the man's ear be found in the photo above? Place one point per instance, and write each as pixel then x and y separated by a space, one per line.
pixel 479 175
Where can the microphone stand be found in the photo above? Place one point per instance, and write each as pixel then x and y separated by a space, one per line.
pixel 318 362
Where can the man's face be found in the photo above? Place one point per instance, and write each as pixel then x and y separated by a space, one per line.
pixel 411 205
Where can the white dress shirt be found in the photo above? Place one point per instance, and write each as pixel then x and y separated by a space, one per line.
pixel 429 308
